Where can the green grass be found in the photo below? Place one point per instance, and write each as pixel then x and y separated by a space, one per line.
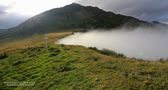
pixel 61 67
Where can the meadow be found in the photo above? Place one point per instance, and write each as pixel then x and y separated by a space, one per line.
pixel 73 67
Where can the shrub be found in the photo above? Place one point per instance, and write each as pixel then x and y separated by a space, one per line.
pixel 53 49
pixel 64 68
pixel 108 52
pixel 161 60
pixel 3 56
pixel 53 54
pixel 17 62
pixel 94 58
pixel 93 48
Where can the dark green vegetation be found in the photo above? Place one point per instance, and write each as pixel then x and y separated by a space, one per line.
pixel 61 67
pixel 69 18
pixel 108 52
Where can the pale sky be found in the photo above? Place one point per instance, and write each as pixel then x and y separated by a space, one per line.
pixel 32 7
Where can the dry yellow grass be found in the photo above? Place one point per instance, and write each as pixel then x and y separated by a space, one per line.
pixel 33 41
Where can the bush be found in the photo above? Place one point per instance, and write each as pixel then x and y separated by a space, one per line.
pixel 108 52
pixel 53 54
pixel 94 58
pixel 93 48
pixel 64 67
pixel 53 49
pixel 17 62
pixel 3 56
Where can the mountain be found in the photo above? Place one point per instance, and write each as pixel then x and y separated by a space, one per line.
pixel 72 17
pixel 1 30
pixel 159 24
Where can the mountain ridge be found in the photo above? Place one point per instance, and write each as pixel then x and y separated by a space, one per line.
pixel 73 17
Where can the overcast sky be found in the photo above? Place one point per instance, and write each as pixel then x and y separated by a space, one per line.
pixel 143 9
pixel 14 12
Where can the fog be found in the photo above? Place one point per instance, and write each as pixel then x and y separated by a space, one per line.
pixel 151 44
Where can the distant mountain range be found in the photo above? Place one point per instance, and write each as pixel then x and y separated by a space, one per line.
pixel 73 17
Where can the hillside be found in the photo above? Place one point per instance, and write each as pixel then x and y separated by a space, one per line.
pixel 2 30
pixel 28 65
pixel 73 17
pixel 61 67
pixel 33 41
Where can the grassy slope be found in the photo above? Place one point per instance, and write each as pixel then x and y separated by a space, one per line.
pixel 76 67
pixel 35 40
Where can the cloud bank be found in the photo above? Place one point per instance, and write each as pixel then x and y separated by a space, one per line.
pixel 145 43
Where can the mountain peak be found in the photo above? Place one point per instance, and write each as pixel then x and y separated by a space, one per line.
pixel 74 4
pixel 74 17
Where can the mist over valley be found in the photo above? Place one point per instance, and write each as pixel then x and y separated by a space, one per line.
pixel 145 43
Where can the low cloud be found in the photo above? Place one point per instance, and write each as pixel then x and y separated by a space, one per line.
pixel 8 20
pixel 146 43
